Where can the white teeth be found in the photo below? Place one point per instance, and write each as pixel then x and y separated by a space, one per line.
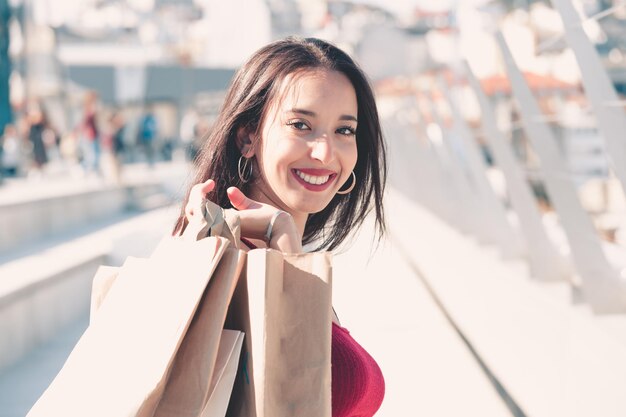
pixel 313 179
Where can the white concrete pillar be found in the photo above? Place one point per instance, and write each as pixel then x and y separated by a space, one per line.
pixel 438 184
pixel 499 228
pixel 598 88
pixel 471 212
pixel 545 261
pixel 601 285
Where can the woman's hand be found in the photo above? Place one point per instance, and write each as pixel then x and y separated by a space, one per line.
pixel 197 196
pixel 254 216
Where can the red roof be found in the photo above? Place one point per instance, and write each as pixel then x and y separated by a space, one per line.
pixel 499 84
pixel 496 84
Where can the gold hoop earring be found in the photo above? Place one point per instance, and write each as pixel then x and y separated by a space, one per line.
pixel 242 171
pixel 351 186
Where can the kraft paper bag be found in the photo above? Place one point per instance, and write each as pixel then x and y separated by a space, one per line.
pixel 100 286
pixel 188 386
pixel 120 364
pixel 283 305
pixel 204 370
pixel 225 372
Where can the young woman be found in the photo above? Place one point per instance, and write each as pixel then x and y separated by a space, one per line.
pixel 297 149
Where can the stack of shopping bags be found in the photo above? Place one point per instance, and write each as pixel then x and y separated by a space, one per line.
pixel 203 329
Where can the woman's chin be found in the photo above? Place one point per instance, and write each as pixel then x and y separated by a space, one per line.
pixel 312 207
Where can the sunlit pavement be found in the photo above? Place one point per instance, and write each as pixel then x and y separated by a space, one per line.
pixel 22 383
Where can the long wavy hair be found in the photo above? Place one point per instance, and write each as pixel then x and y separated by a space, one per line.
pixel 246 104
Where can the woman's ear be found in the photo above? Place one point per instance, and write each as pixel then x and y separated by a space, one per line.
pixel 245 142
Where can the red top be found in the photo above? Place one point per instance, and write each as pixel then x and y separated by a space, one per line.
pixel 358 386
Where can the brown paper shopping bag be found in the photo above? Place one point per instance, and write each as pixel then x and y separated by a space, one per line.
pixel 201 378
pixel 119 366
pixel 224 374
pixel 282 302
pixel 100 286
pixel 283 305
pixel 188 389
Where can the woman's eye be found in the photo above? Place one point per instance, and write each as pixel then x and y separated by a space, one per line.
pixel 298 125
pixel 347 131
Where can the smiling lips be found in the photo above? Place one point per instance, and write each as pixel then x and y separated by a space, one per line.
pixel 314 179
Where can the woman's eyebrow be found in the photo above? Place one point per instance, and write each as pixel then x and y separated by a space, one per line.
pixel 313 114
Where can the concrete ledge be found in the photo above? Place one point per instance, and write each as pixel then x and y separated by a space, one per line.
pixel 42 293
pixel 33 307
pixel 27 220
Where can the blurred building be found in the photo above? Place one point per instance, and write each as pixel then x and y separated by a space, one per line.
pixel 181 54
pixel 139 51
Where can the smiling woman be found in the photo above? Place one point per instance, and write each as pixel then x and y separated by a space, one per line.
pixel 297 149
pixel 308 97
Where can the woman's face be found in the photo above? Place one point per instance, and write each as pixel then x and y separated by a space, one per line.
pixel 307 148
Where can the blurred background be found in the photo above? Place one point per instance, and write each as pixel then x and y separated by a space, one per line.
pixel 500 287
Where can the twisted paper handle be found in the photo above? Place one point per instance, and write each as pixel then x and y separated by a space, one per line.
pixel 215 221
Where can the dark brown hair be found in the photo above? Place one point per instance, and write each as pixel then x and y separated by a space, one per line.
pixel 253 88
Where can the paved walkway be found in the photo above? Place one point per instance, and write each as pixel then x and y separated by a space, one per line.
pixel 23 383
pixel 429 371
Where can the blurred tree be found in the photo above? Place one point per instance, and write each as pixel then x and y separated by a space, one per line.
pixel 5 65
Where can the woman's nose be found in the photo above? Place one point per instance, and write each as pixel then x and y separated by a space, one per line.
pixel 323 149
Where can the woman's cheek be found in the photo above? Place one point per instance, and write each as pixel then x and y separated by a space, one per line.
pixel 351 154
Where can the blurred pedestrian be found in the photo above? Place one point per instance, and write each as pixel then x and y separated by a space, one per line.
pixel 187 134
pixel 116 146
pixel 37 125
pixel 200 131
pixel 11 151
pixel 89 134
pixel 147 135
pixel 1 159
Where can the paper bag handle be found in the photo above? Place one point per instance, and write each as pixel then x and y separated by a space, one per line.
pixel 215 221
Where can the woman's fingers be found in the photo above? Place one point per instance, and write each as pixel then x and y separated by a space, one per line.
pixel 196 197
pixel 239 199
pixel 241 202
pixel 206 187
pixel 254 216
